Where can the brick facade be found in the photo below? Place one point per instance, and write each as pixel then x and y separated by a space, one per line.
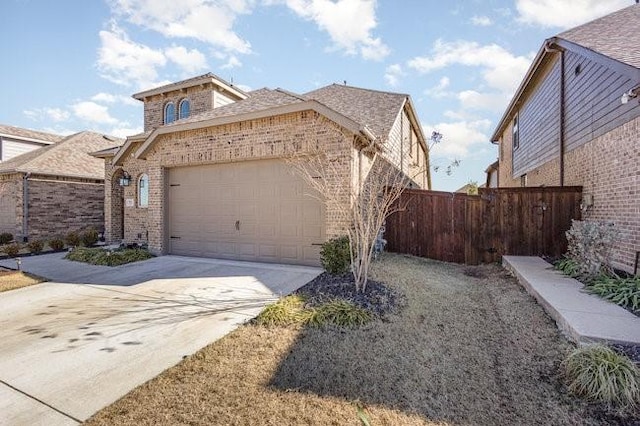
pixel 56 205
pixel 266 138
pixel 200 101
pixel 608 169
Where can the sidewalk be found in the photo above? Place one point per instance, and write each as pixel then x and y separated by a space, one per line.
pixel 583 317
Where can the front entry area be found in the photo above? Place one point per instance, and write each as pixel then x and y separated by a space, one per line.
pixel 252 210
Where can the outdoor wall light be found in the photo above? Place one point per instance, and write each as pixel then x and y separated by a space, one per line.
pixel 627 96
pixel 125 180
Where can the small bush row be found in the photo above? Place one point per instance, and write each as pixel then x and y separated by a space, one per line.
pixel 291 310
pixel 99 256
pixel 87 237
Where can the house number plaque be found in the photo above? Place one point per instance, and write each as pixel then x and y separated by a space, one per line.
pixel 129 202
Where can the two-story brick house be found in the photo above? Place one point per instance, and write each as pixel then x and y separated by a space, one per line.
pixel 207 176
pixel 575 120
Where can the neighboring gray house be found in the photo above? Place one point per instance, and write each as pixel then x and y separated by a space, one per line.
pixel 54 189
pixel 575 120
pixel 15 141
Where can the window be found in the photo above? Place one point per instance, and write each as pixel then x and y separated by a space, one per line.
pixel 169 113
pixel 183 109
pixel 516 132
pixel 143 191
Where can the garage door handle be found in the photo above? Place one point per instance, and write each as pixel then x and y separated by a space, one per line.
pixel 174 238
pixel 237 225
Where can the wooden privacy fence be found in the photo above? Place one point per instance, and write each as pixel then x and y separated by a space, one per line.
pixel 475 229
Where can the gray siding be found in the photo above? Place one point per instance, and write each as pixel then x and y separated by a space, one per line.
pixel 539 123
pixel 592 108
pixel 592 105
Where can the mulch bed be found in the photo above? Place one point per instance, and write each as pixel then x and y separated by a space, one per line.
pixel 377 298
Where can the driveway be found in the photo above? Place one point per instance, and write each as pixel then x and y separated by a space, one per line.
pixel 77 343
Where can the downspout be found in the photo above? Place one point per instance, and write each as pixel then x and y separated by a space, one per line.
pixel 562 120
pixel 25 207
pixel 549 48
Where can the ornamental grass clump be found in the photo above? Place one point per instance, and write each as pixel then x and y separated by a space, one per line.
pixel 623 292
pixel 600 374
pixel 340 313
pixel 286 311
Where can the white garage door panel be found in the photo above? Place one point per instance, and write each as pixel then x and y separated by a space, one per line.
pixel 252 210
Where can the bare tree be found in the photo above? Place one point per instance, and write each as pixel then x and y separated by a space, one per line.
pixel 357 208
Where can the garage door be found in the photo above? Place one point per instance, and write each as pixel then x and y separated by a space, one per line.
pixel 254 210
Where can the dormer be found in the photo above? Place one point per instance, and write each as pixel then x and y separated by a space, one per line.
pixel 177 101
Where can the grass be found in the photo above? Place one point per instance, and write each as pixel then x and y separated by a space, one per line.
pixel 100 256
pixel 11 280
pixel 464 351
pixel 602 375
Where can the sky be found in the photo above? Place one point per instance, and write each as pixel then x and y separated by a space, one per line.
pixel 72 65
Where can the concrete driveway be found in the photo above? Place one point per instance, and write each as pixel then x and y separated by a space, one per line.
pixel 71 346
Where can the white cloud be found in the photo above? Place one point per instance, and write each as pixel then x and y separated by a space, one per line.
pixel 458 138
pixel 232 62
pixel 393 73
pixel 109 98
pixel 48 114
pixel 93 112
pixel 481 21
pixel 494 102
pixel 126 62
pixel 123 132
pixel 349 23
pixel 565 13
pixel 210 21
pixel 439 90
pixel 502 69
pixel 190 61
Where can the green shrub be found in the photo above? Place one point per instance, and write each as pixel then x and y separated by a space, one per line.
pixel 99 256
pixel 56 243
pixel 600 374
pixel 335 255
pixel 72 239
pixel 568 266
pixel 12 250
pixel 286 311
pixel 341 313
pixel 89 237
pixel 35 246
pixel 6 238
pixel 624 292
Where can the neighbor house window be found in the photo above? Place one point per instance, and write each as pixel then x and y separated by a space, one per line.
pixel 523 180
pixel 516 132
pixel 143 191
pixel 169 113
pixel 184 109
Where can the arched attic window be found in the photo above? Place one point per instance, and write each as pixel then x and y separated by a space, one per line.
pixel 143 190
pixel 184 108
pixel 169 113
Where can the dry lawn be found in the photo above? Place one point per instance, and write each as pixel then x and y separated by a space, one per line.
pixel 10 280
pixel 464 351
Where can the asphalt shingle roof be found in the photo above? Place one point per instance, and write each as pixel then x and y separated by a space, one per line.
pixel 28 133
pixel 69 157
pixel 258 100
pixel 374 109
pixel 615 35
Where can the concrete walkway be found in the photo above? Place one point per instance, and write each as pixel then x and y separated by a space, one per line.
pixel 71 346
pixel 583 317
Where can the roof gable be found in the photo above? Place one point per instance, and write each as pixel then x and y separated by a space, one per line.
pixel 191 82
pixel 374 109
pixel 69 157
